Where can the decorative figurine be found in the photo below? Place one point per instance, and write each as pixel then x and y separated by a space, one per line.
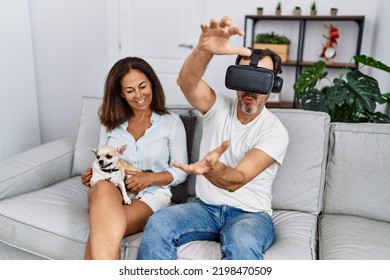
pixel 329 50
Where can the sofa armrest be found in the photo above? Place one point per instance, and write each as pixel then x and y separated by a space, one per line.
pixel 36 168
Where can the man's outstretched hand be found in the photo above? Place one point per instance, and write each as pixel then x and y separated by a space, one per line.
pixel 215 38
pixel 209 163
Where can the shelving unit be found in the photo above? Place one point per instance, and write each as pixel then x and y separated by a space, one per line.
pixel 303 21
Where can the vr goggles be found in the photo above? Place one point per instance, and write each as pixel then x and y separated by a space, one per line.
pixel 251 78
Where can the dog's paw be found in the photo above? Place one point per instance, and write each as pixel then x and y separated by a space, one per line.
pixel 127 201
pixel 139 194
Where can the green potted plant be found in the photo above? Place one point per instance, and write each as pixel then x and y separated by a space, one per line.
pixel 333 11
pixel 278 10
pixel 260 11
pixel 297 11
pixel 313 9
pixel 277 43
pixel 353 99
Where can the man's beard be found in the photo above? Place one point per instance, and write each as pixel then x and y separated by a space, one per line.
pixel 249 108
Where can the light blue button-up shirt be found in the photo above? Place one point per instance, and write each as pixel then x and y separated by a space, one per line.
pixel 163 142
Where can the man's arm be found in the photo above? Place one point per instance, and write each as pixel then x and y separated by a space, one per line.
pixel 226 177
pixel 214 40
pixel 198 93
pixel 231 179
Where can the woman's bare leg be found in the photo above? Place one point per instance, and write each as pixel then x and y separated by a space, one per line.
pixel 110 220
pixel 107 221
pixel 137 214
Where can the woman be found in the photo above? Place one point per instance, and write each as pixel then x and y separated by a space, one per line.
pixel 134 113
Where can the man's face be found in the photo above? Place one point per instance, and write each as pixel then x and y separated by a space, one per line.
pixel 249 102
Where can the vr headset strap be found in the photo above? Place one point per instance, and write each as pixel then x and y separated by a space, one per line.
pixel 256 54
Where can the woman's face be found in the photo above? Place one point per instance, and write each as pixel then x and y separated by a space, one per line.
pixel 137 90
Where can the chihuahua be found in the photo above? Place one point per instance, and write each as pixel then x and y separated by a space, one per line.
pixel 108 166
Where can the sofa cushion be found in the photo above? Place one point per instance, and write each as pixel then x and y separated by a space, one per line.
pixel 295 236
pixel 344 237
pixel 300 180
pixel 194 126
pixel 358 177
pixel 180 192
pixel 295 239
pixel 36 168
pixel 8 252
pixel 88 135
pixel 51 223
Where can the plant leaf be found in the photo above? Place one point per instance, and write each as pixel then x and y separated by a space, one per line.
pixel 313 100
pixel 385 98
pixel 365 91
pixel 337 95
pixel 379 117
pixel 309 78
pixel 369 61
pixel 325 101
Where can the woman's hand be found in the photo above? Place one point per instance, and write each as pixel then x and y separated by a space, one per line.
pixel 137 181
pixel 86 177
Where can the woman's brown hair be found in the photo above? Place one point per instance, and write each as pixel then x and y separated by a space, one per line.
pixel 115 109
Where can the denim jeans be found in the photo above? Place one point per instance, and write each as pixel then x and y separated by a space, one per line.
pixel 243 235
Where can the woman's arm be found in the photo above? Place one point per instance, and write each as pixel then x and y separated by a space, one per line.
pixel 141 180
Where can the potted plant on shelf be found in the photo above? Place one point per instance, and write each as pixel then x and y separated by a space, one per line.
pixel 278 10
pixel 297 11
pixel 333 11
pixel 353 99
pixel 313 9
pixel 277 43
pixel 260 11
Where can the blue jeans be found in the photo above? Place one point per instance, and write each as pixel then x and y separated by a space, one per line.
pixel 243 235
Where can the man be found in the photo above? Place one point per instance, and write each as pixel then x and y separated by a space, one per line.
pixel 242 146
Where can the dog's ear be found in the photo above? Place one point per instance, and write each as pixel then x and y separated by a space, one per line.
pixel 94 151
pixel 121 149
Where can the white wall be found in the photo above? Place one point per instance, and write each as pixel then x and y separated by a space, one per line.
pixel 74 43
pixel 71 59
pixel 381 46
pixel 19 122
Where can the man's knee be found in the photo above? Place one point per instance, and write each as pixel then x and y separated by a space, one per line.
pixel 159 221
pixel 247 238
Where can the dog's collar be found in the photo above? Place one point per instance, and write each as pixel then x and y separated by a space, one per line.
pixel 109 170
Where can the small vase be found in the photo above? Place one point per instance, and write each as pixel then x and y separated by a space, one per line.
pixel 333 12
pixel 259 11
pixel 278 12
pixel 313 12
pixel 296 12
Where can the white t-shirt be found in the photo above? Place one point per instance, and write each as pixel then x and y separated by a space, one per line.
pixel 265 133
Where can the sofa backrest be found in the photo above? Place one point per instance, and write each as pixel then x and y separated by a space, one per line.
pixel 300 181
pixel 88 135
pixel 358 174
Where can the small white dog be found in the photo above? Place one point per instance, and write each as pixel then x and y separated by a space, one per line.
pixel 108 166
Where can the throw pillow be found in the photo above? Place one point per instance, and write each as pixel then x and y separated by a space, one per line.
pixel 180 192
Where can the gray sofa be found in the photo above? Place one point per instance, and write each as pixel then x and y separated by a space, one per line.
pixel 331 197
